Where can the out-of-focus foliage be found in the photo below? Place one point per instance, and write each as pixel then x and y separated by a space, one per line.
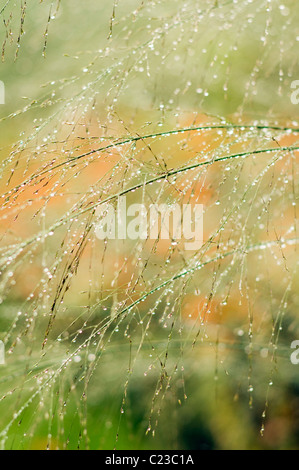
pixel 142 344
